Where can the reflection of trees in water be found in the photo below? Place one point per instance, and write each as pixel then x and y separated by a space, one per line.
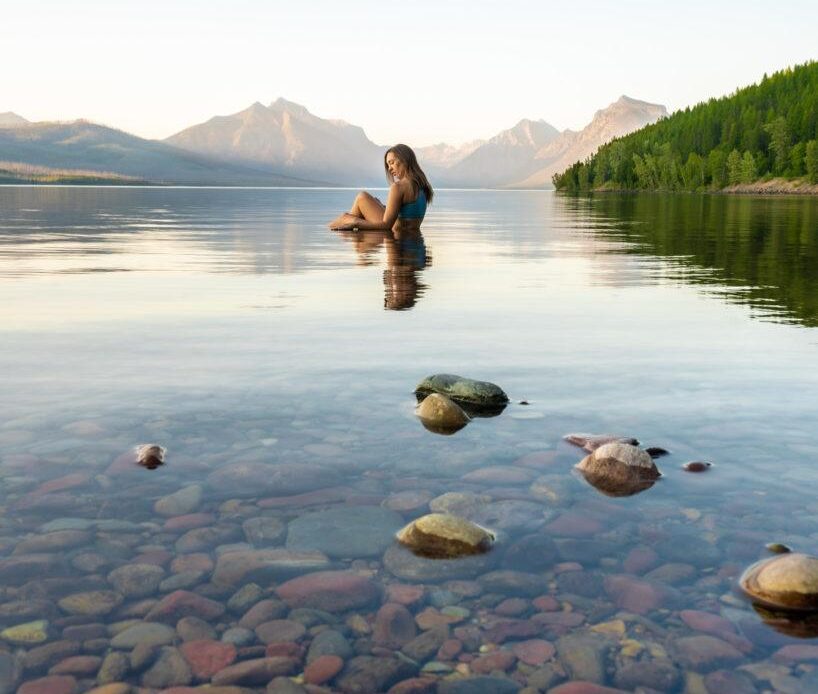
pixel 764 251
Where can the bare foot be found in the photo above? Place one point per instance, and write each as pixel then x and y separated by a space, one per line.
pixel 345 222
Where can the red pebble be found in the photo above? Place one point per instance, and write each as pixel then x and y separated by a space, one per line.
pixel 323 669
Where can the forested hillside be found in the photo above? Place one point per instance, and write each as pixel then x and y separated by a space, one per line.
pixel 767 130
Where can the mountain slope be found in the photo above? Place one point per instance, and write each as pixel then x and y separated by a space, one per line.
pixel 286 137
pixel 507 157
pixel 620 118
pixel 91 147
pixel 11 120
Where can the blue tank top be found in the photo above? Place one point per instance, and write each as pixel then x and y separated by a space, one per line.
pixel 415 209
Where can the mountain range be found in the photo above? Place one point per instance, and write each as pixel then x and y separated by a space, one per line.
pixel 284 144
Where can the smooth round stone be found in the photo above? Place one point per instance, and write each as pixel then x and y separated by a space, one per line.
pixel 194 629
pixel 170 669
pixel 239 636
pixel 53 684
pixel 329 642
pixel 262 479
pixel 136 580
pixel 185 501
pixel 149 633
pixel 441 535
pixel 207 657
pixel 264 531
pixel 28 633
pixel 407 501
pixel 479 685
pixel 403 563
pixel 263 565
pixel 441 415
pixel 787 581
pixel 346 532
pixel 512 514
pixel 95 602
pixel 499 474
pixel 323 669
pixel 280 630
pixel 53 542
pixel 332 591
pixel 463 504
pixel 619 469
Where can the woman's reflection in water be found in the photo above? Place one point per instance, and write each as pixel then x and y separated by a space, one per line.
pixel 406 257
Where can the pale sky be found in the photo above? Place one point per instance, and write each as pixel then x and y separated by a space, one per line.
pixel 416 71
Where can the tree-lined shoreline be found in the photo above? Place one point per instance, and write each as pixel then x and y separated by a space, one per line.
pixel 761 139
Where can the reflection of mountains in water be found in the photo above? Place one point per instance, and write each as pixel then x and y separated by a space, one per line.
pixel 762 252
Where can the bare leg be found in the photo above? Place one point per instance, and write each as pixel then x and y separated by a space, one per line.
pixel 368 207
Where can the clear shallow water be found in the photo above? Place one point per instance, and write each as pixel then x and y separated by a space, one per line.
pixel 231 326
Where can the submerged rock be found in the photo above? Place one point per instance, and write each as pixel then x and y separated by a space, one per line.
pixel 441 415
pixel 478 397
pixel 403 563
pixel 696 466
pixel 787 581
pixel 440 535
pixel 590 442
pixel 345 532
pixel 259 479
pixel 619 469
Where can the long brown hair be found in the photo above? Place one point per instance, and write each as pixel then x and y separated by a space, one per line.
pixel 407 157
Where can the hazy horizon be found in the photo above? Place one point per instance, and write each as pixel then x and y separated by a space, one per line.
pixel 450 73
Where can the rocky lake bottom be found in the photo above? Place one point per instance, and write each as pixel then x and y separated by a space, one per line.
pixel 276 363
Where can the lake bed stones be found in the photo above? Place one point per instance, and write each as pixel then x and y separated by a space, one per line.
pixel 441 415
pixel 444 536
pixel 786 581
pixel 479 397
pixel 619 469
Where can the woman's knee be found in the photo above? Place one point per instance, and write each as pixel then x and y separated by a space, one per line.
pixel 363 195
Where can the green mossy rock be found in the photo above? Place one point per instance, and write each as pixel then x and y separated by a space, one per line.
pixel 476 397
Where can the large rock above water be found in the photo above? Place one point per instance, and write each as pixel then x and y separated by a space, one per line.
pixel 345 533
pixel 786 581
pixel 440 535
pixel 260 479
pixel 619 469
pixel 478 395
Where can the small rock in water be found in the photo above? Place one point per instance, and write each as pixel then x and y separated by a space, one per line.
pixel 440 415
pixel 777 548
pixel 150 455
pixel 590 442
pixel 619 469
pixel 481 396
pixel 439 535
pixel 656 452
pixel 788 581
pixel 696 466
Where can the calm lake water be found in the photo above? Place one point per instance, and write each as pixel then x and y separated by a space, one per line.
pixel 276 362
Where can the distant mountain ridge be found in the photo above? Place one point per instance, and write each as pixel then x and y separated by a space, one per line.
pixel 285 144
pixel 80 145
pixel 286 137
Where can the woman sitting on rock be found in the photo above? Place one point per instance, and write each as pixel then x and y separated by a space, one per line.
pixel 409 194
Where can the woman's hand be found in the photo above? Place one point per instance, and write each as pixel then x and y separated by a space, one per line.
pixel 346 222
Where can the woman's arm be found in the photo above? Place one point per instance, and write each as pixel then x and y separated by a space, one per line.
pixel 390 215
